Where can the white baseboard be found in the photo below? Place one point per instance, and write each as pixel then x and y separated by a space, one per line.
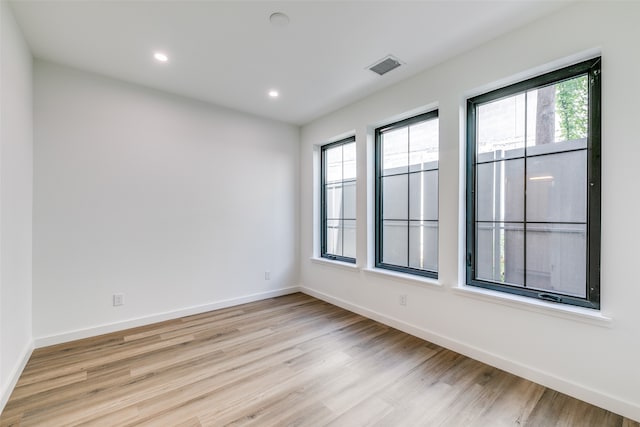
pixel 7 388
pixel 159 317
pixel 594 397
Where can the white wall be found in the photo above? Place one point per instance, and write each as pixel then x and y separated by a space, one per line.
pixel 16 171
pixel 179 205
pixel 588 358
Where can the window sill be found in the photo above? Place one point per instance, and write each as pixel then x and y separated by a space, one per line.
pixel 410 278
pixel 334 263
pixel 579 314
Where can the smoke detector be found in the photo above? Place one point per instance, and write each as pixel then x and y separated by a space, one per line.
pixel 279 19
pixel 385 65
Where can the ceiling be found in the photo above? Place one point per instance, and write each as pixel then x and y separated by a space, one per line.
pixel 229 54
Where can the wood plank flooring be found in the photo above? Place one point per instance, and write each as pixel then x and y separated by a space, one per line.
pixel 288 361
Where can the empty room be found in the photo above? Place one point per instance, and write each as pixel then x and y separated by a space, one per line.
pixel 313 213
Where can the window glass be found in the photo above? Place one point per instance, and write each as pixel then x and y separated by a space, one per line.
pixel 407 195
pixel 533 202
pixel 338 204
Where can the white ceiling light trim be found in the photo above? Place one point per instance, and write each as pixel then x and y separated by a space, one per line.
pixel 160 57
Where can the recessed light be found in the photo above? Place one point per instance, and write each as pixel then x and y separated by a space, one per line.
pixel 541 178
pixel 274 93
pixel 161 57
pixel 279 19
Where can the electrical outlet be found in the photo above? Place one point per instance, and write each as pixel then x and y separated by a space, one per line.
pixel 118 299
pixel 267 275
pixel 403 299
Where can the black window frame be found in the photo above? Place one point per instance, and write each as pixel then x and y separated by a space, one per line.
pixel 379 235
pixel 323 201
pixel 592 69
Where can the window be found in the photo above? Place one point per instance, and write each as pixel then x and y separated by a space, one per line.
pixel 407 195
pixel 338 200
pixel 533 187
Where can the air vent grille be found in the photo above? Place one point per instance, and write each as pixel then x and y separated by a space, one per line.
pixel 385 65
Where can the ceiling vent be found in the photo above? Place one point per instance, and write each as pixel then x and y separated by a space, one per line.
pixel 385 65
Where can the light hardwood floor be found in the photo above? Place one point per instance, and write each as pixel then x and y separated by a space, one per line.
pixel 288 361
